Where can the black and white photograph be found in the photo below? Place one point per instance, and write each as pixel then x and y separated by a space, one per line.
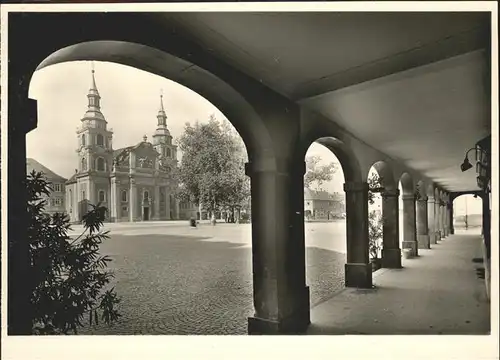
pixel 219 170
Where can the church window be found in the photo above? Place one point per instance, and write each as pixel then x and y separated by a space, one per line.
pixel 169 153
pixel 100 140
pixel 124 195
pixel 84 164
pixel 83 139
pixel 146 195
pixel 102 196
pixel 101 164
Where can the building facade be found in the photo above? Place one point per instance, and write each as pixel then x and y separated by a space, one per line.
pixel 134 183
pixel 55 201
pixel 323 205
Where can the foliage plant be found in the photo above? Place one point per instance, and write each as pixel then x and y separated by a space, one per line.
pixel 69 277
pixel 212 170
pixel 375 220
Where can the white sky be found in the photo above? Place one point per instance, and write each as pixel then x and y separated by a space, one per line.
pixel 130 100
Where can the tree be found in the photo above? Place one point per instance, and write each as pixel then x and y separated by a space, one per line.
pixel 316 173
pixel 69 277
pixel 375 220
pixel 211 172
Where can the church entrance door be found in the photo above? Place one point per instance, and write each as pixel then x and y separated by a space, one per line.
pixel 145 216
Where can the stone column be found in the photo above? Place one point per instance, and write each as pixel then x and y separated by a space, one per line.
pixel 423 238
pixel 22 117
pixel 156 203
pixel 450 218
pixel 487 225
pixel 167 204
pixel 358 269
pixel 132 201
pixel 114 211
pixel 391 253
pixel 409 230
pixel 441 220
pixel 281 297
pixel 437 219
pixel 431 219
pixel 177 210
pixel 446 217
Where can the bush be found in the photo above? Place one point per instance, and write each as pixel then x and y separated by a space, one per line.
pixel 375 220
pixel 69 275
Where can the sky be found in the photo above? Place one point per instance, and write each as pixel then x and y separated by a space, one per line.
pixel 130 99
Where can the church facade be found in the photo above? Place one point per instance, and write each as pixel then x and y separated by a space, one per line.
pixel 135 183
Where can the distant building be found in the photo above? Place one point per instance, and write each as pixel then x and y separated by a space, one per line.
pixel 134 183
pixel 323 205
pixel 55 202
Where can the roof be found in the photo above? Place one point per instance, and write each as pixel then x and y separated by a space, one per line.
pixel 72 179
pixel 321 195
pixel 32 164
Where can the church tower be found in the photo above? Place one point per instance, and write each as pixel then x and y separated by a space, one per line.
pixel 95 150
pixel 162 140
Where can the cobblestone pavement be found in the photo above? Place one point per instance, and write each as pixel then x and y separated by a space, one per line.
pixel 181 281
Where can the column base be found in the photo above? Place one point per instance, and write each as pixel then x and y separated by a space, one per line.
pixel 391 258
pixel 424 241
pixel 358 275
pixel 295 323
pixel 412 245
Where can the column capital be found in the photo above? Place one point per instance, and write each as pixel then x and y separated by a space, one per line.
pixel 282 166
pixel 352 186
pixel 132 181
pixel 423 198
pixel 390 193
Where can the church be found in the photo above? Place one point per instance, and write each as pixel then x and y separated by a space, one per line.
pixel 135 183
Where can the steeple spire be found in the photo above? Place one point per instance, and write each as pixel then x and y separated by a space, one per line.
pixel 162 117
pixel 93 94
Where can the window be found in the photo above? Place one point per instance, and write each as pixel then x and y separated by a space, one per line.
pixel 102 196
pixel 124 196
pixel 101 164
pixel 100 140
pixel 84 164
pixel 58 201
pixel 169 152
pixel 83 139
pixel 70 197
pixel 57 187
pixel 146 195
pixel 83 195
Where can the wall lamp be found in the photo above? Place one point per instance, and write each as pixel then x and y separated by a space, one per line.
pixel 466 165
pixel 481 157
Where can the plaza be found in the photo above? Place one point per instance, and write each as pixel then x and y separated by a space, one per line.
pixel 174 279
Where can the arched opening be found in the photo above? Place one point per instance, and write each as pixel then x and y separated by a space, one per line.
pixel 467 214
pixel 324 220
pixel 407 216
pixel 102 196
pixel 225 241
pixel 383 213
pixel 101 165
pixel 83 140
pixel 100 140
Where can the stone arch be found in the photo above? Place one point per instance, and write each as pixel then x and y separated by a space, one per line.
pixel 386 175
pixel 322 135
pixel 407 184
